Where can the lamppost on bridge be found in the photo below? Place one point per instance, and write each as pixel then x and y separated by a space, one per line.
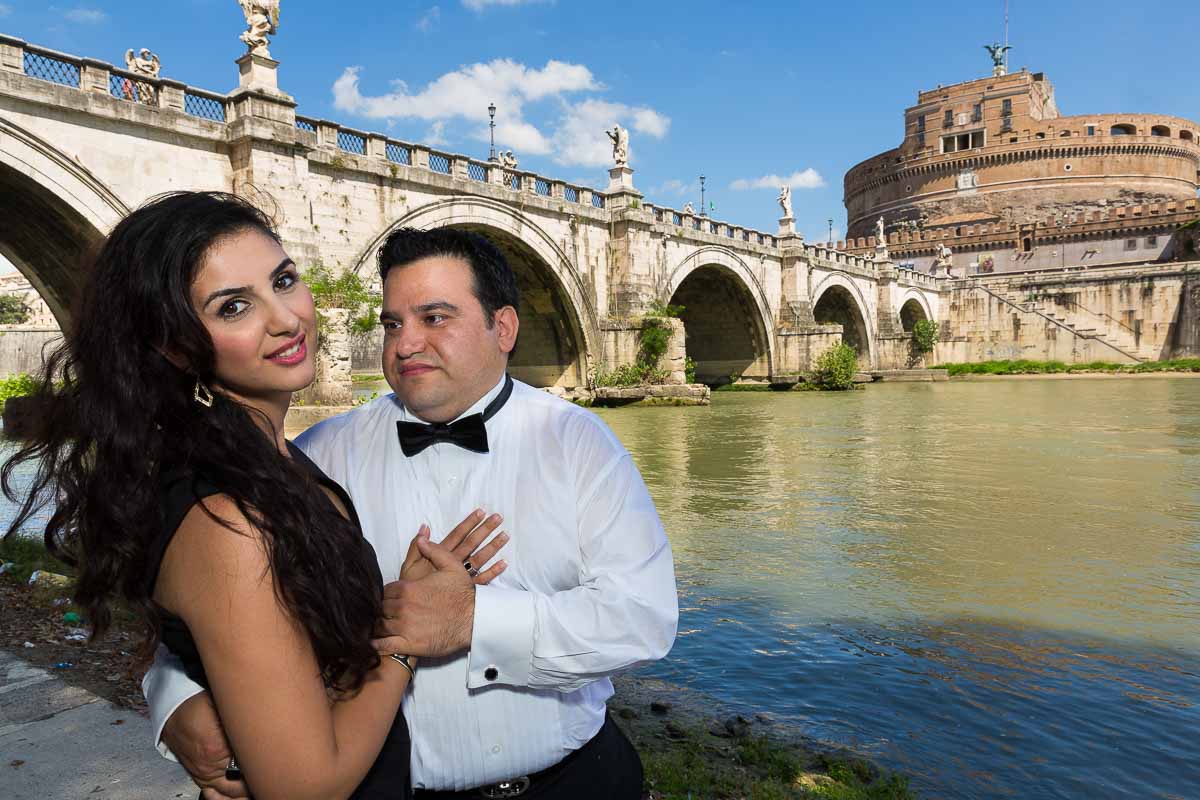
pixel 830 243
pixel 492 130
pixel 703 208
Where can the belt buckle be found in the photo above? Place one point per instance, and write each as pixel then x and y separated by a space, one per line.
pixel 511 788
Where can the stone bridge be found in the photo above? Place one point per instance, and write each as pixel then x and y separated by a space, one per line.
pixel 83 142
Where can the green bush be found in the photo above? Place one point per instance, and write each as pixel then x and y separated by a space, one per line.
pixel 653 340
pixel 16 386
pixel 342 291
pixel 836 367
pixel 925 334
pixel 13 310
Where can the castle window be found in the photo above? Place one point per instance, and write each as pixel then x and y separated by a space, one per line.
pixel 1041 134
pixel 1151 241
pixel 1006 108
pixel 963 141
pixel 1064 134
pixel 920 140
pixel 1131 244
pixel 977 113
pixel 921 122
pixel 1005 124
pixel 1091 130
pixel 948 118
pixel 1122 130
pixel 1027 244
pixel 1185 135
pixel 1160 130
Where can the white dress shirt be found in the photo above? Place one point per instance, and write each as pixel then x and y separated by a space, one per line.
pixel 589 589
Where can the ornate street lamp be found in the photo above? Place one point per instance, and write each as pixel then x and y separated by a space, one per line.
pixel 830 234
pixel 703 208
pixel 492 130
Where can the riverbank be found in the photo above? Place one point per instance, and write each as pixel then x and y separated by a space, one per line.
pixel 1180 366
pixel 690 745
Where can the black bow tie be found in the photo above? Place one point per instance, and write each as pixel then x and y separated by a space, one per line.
pixel 468 433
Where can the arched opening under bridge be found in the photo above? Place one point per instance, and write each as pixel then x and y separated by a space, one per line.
pixel 725 334
pixel 837 306
pixel 45 238
pixel 911 313
pixel 551 347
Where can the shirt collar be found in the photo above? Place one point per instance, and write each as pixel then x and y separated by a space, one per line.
pixel 476 408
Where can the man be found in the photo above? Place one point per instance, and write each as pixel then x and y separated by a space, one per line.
pixel 509 695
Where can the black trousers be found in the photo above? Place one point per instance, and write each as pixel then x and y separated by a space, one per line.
pixel 606 768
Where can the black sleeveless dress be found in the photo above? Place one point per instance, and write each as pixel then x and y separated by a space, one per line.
pixel 180 489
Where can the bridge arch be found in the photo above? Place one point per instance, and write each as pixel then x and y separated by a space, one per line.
pixel 727 319
pixel 913 307
pixel 838 300
pixel 55 212
pixel 559 325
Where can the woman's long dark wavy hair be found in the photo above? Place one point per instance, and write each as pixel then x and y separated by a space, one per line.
pixel 112 414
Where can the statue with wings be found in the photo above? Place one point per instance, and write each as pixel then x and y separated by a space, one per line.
pixel 142 63
pixel 262 19
pixel 997 51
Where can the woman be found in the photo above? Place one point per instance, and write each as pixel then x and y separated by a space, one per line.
pixel 162 438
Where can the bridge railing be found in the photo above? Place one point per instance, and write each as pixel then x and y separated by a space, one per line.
pixel 375 146
pixel 100 77
pixel 690 221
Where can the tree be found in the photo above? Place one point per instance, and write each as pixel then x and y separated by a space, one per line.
pixel 13 310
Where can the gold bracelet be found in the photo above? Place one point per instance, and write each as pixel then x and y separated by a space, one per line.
pixel 404 662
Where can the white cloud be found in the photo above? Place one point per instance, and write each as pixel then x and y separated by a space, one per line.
pixel 480 5
pixel 802 179
pixel 581 139
pixel 429 20
pixel 578 135
pixel 436 136
pixel 84 16
pixel 467 91
pixel 5 9
pixel 672 187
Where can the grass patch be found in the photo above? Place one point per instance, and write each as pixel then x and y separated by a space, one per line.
pixel 1027 367
pixel 29 554
pixel 743 387
pixel 366 378
pixel 697 768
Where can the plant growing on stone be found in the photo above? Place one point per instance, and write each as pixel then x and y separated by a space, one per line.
pixel 836 367
pixel 925 334
pixel 345 291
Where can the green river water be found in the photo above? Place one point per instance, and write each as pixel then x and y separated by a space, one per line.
pixel 993 586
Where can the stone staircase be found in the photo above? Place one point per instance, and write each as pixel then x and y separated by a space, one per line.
pixel 1111 334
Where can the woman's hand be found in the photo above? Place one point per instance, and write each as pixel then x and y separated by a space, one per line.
pixel 464 543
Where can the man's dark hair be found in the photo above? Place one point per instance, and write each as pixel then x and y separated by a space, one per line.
pixel 495 285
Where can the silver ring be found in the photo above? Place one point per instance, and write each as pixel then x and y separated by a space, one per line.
pixel 470 568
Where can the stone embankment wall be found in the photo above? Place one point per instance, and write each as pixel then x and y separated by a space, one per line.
pixel 1116 315
pixel 21 349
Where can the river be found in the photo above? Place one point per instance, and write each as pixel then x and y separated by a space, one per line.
pixel 993 587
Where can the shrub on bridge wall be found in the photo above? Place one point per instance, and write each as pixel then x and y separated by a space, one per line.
pixel 653 340
pixel 836 367
pixel 17 385
pixel 342 291
pixel 925 334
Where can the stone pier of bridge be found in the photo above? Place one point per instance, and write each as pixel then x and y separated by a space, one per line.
pixel 80 148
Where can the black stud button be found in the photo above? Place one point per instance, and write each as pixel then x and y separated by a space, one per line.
pixel 491 673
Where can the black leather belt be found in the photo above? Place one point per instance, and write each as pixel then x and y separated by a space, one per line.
pixel 513 787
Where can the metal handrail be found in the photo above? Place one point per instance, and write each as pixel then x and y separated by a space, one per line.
pixel 1070 329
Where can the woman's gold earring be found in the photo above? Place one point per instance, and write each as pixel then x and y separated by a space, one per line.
pixel 202 395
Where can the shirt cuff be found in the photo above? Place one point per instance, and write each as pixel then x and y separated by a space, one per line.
pixel 166 687
pixel 501 638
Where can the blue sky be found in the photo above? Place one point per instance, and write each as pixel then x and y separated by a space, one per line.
pixel 736 91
